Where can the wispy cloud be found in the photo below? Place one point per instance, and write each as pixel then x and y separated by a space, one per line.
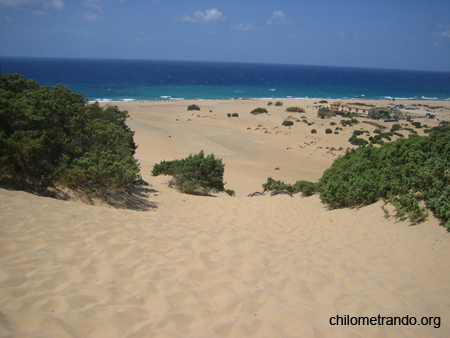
pixel 95 10
pixel 350 36
pixel 278 18
pixel 244 27
pixel 441 35
pixel 207 16
pixel 37 7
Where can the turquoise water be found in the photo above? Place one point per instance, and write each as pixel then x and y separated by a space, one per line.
pixel 176 80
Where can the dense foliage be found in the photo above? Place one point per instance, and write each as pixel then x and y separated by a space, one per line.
pixel 403 172
pixel 407 173
pixel 193 107
pixel 195 174
pixel 287 123
pixel 258 111
pixel 50 136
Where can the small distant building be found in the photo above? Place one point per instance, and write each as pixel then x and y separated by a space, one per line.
pixel 354 108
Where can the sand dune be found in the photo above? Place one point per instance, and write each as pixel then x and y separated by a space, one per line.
pixel 218 266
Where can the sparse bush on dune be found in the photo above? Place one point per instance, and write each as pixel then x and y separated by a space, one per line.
pixel 258 111
pixel 295 109
pixel 195 174
pixel 287 123
pixel 278 104
pixel 325 113
pixel 305 187
pixel 193 107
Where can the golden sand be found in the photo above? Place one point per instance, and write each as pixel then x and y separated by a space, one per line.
pixel 221 266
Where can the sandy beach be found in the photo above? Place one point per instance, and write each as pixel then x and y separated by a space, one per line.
pixel 176 265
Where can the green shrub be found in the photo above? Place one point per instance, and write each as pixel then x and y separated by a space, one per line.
pixel 195 174
pixel 258 111
pixel 193 107
pixel 313 131
pixel 323 101
pixel 295 110
pixel 328 131
pixel 357 141
pixel 325 113
pixel 350 122
pixel 229 115
pixel 403 172
pixel 395 127
pixel 235 115
pixel 287 123
pixel 51 136
pixel 358 132
pixel 278 104
pixel 269 103
pixel 305 187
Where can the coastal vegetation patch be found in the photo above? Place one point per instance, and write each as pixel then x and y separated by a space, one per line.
pixel 295 109
pixel 52 137
pixel 412 174
pixel 287 123
pixel 257 111
pixel 193 107
pixel 196 174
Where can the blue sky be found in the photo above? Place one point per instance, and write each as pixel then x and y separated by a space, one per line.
pixel 394 34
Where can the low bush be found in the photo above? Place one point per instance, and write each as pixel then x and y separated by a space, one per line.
pixel 305 187
pixel 395 127
pixel 195 174
pixel 313 131
pixel 295 109
pixel 357 141
pixel 358 132
pixel 278 104
pixel 193 107
pixel 287 123
pixel 269 103
pixel 350 122
pixel 325 113
pixel 328 131
pixel 258 111
pixel 235 115
pixel 418 125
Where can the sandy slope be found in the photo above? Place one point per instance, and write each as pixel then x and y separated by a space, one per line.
pixel 218 266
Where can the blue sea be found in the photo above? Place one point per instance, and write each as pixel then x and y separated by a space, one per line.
pixel 137 80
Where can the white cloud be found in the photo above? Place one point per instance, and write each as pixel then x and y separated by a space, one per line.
pixel 95 12
pixel 441 35
pixel 244 27
pixel 207 16
pixel 38 7
pixel 278 18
